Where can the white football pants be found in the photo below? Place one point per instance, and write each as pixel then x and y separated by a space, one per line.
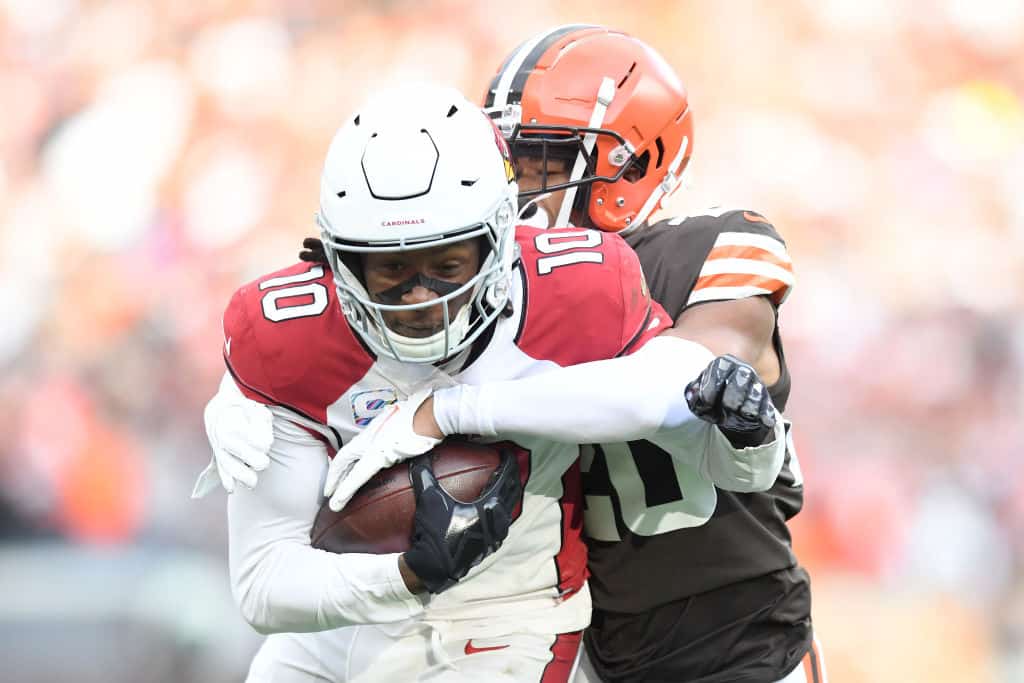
pixel 367 654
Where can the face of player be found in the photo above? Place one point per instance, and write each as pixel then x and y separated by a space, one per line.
pixel 531 177
pixel 386 273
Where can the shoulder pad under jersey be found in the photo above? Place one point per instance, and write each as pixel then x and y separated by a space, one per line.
pixel 286 341
pixel 586 297
pixel 729 254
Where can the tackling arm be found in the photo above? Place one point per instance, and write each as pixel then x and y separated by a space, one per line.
pixel 641 396
pixel 622 399
pixel 280 582
pixel 742 328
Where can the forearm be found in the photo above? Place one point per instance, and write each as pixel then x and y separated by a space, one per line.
pixel 634 397
pixel 280 582
pixel 295 588
pixel 743 470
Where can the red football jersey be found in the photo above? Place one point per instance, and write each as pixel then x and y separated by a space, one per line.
pixel 578 296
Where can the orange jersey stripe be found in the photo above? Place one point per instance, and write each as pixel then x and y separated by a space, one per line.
pixel 740 280
pixel 808 670
pixel 811 664
pixel 752 253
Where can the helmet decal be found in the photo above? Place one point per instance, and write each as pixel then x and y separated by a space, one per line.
pixel 506 154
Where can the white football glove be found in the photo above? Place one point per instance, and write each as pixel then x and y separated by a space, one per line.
pixel 240 433
pixel 387 440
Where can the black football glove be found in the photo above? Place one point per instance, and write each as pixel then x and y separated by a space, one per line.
pixel 451 537
pixel 730 395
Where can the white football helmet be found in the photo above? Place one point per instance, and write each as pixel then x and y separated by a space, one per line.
pixel 416 167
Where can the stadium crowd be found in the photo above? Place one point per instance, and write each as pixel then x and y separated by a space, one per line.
pixel 155 155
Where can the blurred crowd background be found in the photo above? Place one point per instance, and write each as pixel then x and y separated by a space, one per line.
pixel 154 155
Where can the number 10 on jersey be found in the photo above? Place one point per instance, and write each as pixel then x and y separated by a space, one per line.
pixel 561 242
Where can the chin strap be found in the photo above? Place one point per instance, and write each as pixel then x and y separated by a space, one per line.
pixel 605 95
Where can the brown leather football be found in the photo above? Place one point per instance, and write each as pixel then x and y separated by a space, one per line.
pixel 379 517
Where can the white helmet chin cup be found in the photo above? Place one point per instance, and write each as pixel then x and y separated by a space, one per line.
pixel 413 348
pixel 419 167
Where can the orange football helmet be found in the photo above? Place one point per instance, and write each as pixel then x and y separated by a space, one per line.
pixel 610 105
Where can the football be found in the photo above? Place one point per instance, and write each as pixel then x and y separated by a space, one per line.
pixel 379 517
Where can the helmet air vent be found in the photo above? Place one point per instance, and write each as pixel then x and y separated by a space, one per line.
pixel 626 77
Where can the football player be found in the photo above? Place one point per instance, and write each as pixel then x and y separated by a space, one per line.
pixel 430 284
pixel 691 582
pixel 600 121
